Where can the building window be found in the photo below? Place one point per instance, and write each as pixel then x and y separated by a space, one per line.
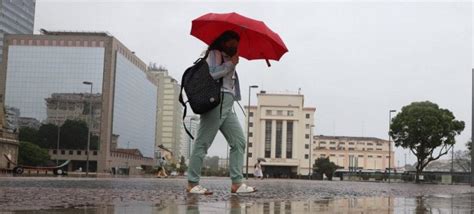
pixel 361 156
pixel 306 136
pixel 342 143
pixel 370 156
pixel 268 138
pixel 351 149
pixel 279 112
pixel 289 139
pixel 63 152
pixel 78 152
pixel 279 135
pixel 306 156
pixel 250 124
pixel 379 156
pixel 370 144
pixel 322 142
pixel 379 149
pixel 250 134
pixel 341 155
pixel 250 155
pixel 251 114
pixel 71 152
pixel 332 143
pixel 323 155
pixel 307 116
pixel 268 112
pixel 332 155
pixel 55 151
pixel 250 144
pixel 307 126
pixel 332 148
pixel 379 144
pixel 370 149
pixel 94 153
pixel 290 113
pixel 306 146
pixel 351 143
pixel 360 143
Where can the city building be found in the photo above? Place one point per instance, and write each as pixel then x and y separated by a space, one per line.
pixel 65 69
pixel 192 124
pixel 169 116
pixel 74 106
pixel 8 145
pixel 223 163
pixel 280 130
pixel 354 153
pixel 28 122
pixel 17 17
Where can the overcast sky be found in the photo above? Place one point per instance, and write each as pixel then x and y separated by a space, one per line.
pixel 352 60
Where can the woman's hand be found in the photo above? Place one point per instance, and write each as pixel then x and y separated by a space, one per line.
pixel 235 59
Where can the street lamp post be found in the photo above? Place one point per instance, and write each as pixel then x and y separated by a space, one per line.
pixel 90 127
pixel 310 151
pixel 389 144
pixel 248 131
pixel 59 132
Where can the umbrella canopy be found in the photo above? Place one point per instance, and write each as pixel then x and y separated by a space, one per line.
pixel 257 41
pixel 262 159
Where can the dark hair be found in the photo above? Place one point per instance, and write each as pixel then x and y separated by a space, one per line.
pixel 224 37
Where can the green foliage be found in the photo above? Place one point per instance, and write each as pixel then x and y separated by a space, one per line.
pixel 47 136
pixel 73 135
pixel 28 134
pixel 423 127
pixel 212 162
pixel 32 155
pixel 182 166
pixel 324 166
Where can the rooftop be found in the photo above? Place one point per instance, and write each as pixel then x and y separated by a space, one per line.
pixel 74 33
pixel 348 138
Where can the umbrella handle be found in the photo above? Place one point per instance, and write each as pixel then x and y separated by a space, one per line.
pixel 268 63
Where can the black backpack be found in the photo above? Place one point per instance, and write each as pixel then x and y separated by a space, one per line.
pixel 203 91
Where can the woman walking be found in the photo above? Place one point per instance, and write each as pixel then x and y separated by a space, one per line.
pixel 222 57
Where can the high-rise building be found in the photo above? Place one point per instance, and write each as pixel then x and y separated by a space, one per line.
pixel 280 130
pixel 74 106
pixel 169 122
pixel 47 77
pixel 354 153
pixel 192 124
pixel 16 17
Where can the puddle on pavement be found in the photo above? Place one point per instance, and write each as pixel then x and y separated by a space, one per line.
pixel 429 204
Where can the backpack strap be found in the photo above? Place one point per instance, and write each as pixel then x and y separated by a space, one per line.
pixel 181 100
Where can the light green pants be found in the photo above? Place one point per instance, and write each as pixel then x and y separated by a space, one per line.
pixel 229 125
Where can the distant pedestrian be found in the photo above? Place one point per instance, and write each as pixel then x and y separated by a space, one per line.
pixel 222 58
pixel 258 170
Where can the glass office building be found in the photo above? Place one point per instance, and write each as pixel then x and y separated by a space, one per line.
pixel 42 80
pixel 16 17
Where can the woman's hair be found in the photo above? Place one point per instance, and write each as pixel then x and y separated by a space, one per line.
pixel 224 37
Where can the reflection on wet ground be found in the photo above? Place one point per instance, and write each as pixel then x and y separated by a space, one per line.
pixel 462 203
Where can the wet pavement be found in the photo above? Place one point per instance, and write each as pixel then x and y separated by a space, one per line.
pixel 152 195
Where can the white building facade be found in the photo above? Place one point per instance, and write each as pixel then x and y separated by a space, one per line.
pixel 280 130
pixel 169 112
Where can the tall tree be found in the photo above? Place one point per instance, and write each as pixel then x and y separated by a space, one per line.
pixel 423 128
pixel 47 136
pixel 28 134
pixel 32 155
pixel 182 166
pixel 324 166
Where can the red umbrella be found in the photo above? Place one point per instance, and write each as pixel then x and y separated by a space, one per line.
pixel 257 41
